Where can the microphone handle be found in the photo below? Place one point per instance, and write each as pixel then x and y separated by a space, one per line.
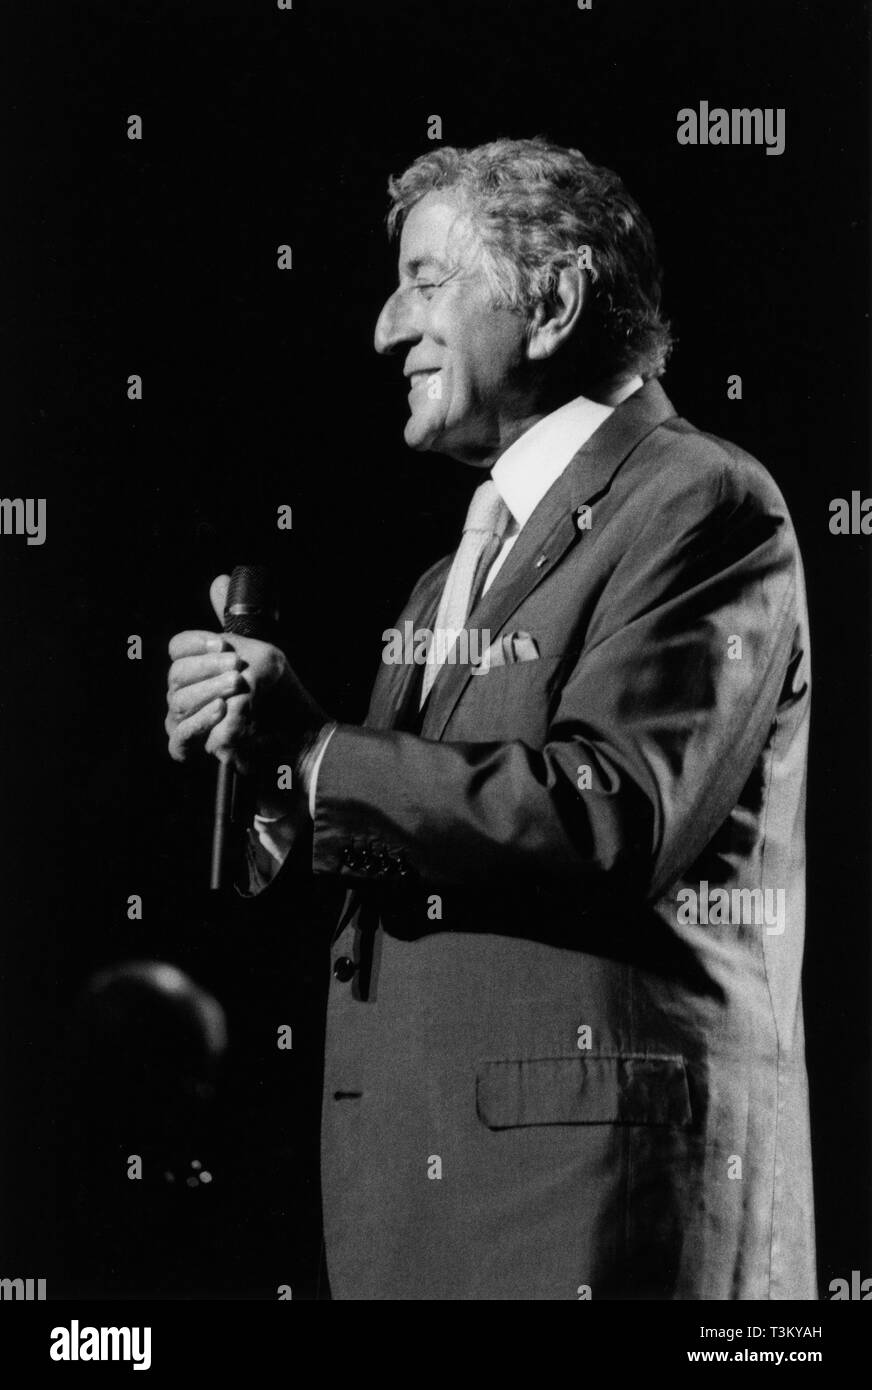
pixel 224 788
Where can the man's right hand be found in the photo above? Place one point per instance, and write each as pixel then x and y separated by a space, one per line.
pixel 206 675
pixel 238 699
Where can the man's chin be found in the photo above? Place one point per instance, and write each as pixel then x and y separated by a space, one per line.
pixel 418 436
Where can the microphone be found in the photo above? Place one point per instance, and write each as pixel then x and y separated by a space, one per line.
pixel 248 612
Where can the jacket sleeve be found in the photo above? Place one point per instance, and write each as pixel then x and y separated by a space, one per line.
pixel 669 704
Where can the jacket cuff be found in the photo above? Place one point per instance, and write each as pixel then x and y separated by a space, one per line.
pixel 347 841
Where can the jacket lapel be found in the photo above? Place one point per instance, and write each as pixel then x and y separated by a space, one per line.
pixel 551 531
pixel 395 683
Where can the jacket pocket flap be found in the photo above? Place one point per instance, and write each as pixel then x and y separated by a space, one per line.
pixel 625 1090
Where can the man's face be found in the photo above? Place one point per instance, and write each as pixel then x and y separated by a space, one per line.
pixel 464 360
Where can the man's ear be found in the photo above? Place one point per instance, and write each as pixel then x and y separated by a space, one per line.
pixel 556 321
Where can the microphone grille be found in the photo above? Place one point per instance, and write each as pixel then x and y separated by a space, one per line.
pixel 248 607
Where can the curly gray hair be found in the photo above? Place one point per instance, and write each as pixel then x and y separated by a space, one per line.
pixel 532 205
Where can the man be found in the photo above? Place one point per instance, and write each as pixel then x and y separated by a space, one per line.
pixel 565 1040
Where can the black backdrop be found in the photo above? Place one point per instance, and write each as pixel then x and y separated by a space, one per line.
pixel 260 388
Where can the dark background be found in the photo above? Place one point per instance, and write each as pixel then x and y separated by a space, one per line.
pixel 158 257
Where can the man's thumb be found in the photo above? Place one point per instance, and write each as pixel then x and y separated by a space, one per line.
pixel 218 595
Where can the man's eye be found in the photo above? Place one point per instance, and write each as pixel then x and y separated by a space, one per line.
pixel 426 288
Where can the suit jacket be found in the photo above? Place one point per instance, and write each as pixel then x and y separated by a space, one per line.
pixel 561 1063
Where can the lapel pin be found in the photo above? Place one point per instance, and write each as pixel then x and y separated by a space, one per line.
pixel 541 561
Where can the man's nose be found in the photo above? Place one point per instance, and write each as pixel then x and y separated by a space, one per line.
pixel 395 326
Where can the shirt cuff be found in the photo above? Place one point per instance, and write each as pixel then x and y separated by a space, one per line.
pixel 311 763
pixel 270 839
pixel 276 834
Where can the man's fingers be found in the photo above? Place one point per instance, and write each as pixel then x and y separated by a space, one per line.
pixel 226 732
pixel 183 736
pixel 197 643
pixel 189 670
pixel 188 699
pixel 218 595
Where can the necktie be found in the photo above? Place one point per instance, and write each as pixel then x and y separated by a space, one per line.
pixel 486 521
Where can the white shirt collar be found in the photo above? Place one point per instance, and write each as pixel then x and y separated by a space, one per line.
pixel 527 469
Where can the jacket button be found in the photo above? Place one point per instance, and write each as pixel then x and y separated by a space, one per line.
pixel 343 969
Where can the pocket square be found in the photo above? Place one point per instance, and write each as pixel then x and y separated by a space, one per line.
pixel 523 647
pixel 508 650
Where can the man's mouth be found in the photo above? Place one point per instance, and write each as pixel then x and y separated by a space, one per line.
pixel 419 378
